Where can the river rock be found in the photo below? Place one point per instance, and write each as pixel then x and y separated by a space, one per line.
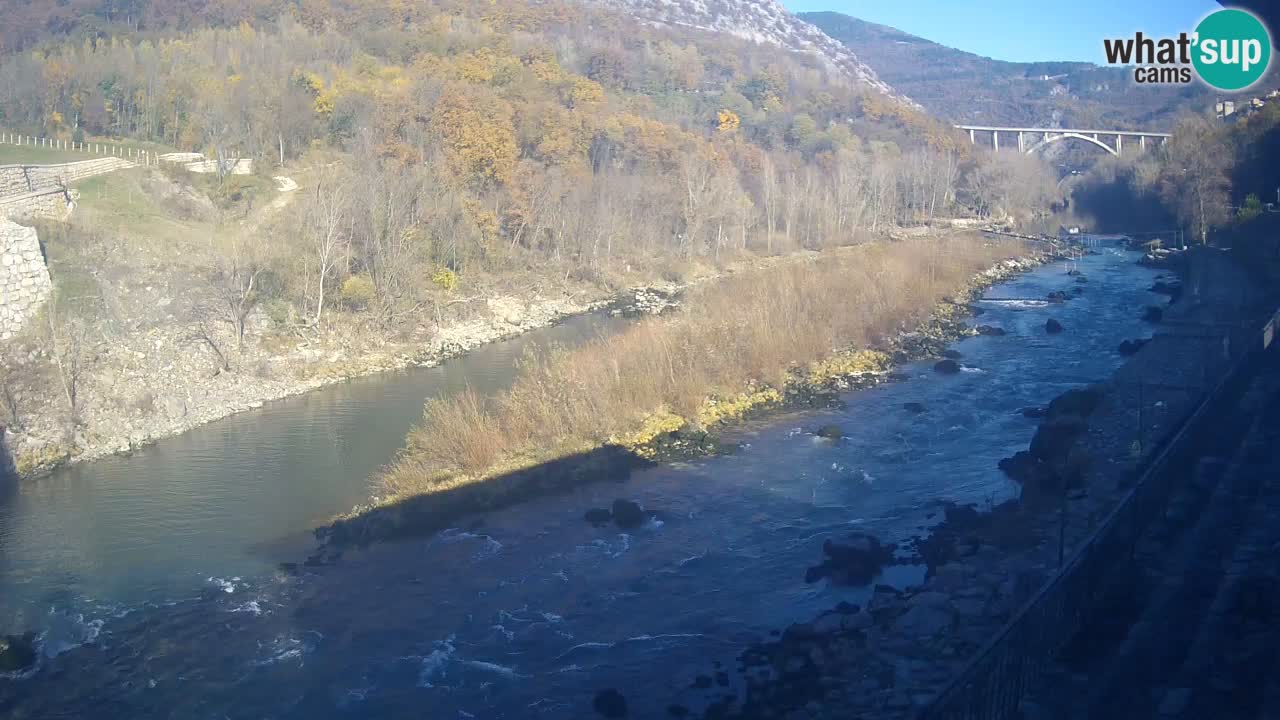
pixel 852 561
pixel 1022 467
pixel 1052 326
pixel 832 622
pixel 627 514
pixel 1131 347
pixel 1080 402
pixel 830 432
pixel 17 652
pixel 1055 436
pixel 598 516
pixel 1057 296
pixel 1082 279
pixel 1153 314
pixel 882 597
pixel 929 599
pixel 610 703
pixel 913 407
pixel 952 354
pixel 990 330
pixel 947 367
pixel 924 620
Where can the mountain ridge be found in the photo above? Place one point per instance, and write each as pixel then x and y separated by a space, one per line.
pixel 760 21
pixel 965 87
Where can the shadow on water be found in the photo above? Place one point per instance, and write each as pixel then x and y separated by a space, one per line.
pixel 423 514
pixel 8 472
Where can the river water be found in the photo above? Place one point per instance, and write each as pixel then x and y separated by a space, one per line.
pixel 153 576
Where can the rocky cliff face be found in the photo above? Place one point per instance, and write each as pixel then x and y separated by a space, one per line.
pixel 760 21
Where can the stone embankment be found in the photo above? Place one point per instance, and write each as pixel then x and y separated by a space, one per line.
pixel 19 179
pixel 24 278
pixel 890 658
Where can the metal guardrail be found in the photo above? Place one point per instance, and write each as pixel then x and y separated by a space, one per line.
pixel 993 682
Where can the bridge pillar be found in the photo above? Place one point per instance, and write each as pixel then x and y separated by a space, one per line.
pixel 995 140
pixel 1142 142
pixel 1020 145
pixel 1119 144
pixel 971 140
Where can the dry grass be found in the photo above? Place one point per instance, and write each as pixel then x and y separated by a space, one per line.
pixel 740 334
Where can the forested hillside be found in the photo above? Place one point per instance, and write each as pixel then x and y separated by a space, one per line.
pixel 488 134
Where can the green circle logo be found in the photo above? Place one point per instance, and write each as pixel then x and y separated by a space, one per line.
pixel 1232 49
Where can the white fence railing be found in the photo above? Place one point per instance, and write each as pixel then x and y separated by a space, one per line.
pixel 103 149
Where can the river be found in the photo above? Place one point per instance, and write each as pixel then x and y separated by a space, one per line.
pixel 153 577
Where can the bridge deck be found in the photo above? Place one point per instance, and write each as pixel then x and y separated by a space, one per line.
pixel 1130 133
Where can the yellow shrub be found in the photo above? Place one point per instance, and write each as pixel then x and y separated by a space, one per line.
pixel 357 291
pixel 653 427
pixel 715 411
pixel 446 279
pixel 847 364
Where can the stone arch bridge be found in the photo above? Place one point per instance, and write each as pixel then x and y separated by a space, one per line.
pixel 1029 140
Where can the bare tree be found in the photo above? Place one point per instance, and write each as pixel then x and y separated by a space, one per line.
pixel 66 341
pixel 325 223
pixel 237 277
pixel 1194 180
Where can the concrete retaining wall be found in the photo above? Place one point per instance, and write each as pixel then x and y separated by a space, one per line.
pixel 24 278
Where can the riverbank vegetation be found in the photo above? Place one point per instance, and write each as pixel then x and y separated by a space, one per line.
pixel 735 345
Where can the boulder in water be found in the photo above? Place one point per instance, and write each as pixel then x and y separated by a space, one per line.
pixel 947 367
pixel 1080 402
pixel 627 513
pixel 1131 347
pixel 952 354
pixel 1052 326
pixel 990 330
pixel 17 652
pixel 1164 287
pixel 830 432
pixel 852 561
pixel 1153 313
pixel 598 516
pixel 610 703
pixel 1057 296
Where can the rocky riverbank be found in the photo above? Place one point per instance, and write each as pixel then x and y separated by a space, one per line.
pixel 164 382
pixel 889 658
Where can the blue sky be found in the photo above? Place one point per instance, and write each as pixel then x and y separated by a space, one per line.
pixel 1023 31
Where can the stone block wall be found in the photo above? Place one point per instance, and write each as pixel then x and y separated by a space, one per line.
pixel 48 204
pixel 25 284
pixel 13 180
pixel 18 179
